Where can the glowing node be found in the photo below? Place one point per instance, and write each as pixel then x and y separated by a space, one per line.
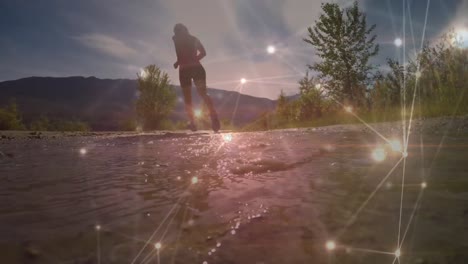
pixel 179 178
pixel 233 232
pixel 417 74
pixel 198 113
pixel 218 244
pixel 461 38
pixel 423 185
pixel 348 109
pixel 243 81
pixel 330 245
pixel 97 227
pixel 83 151
pixel 194 180
pixel 227 137
pixel 405 154
pixel 157 245
pixel 379 154
pixel 318 86
pixel 397 253
pixel 395 144
pixel 398 42
pixel 271 49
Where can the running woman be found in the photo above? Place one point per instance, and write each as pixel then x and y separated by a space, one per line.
pixel 190 51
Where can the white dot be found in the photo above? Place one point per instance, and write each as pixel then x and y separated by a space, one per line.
pixel 157 245
pixel 397 253
pixel 243 81
pixel 405 154
pixel 178 178
pixel 271 49
pixel 194 180
pixel 83 151
pixel 423 185
pixel 330 245
pixel 398 42
pixel 218 245
pixel 379 154
pixel 233 232
pixel 98 227
pixel 348 109
pixel 205 262
pixel 198 113
pixel 227 137
pixel 318 86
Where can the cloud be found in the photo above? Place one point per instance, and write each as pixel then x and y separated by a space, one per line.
pixel 107 45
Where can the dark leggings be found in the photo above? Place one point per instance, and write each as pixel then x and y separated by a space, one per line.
pixel 198 75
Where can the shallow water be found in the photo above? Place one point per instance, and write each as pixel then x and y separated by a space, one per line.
pixel 264 197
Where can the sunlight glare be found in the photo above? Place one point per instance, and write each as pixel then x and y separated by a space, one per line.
pixel 330 245
pixel 379 154
pixel 271 49
pixel 243 81
pixel 398 42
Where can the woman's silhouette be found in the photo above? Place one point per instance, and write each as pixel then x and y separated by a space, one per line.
pixel 189 52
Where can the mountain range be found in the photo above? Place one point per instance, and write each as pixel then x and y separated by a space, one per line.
pixel 105 103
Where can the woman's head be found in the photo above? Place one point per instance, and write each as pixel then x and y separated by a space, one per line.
pixel 180 30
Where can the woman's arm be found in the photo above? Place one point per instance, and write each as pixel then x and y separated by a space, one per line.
pixel 200 49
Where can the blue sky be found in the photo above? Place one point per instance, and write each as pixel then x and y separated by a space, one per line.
pixel 116 38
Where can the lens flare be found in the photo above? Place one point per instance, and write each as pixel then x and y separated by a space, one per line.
pixel 194 180
pixel 398 42
pixel 243 81
pixel 271 49
pixel 330 245
pixel 227 137
pixel 83 151
pixel 395 144
pixel 157 245
pixel 379 154
pixel 198 113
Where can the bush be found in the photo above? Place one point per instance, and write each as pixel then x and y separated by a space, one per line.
pixel 10 118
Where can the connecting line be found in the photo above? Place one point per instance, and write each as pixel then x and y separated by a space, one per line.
pixel 353 218
pixel 371 251
pixel 237 103
pixel 416 205
pixel 150 255
pixel 277 83
pixel 157 229
pixel 401 200
pixel 418 71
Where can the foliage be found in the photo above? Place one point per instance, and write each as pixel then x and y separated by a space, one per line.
pixel 10 118
pixel 157 98
pixel 343 42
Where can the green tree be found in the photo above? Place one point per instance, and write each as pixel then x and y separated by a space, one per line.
pixel 344 43
pixel 10 118
pixel 157 98
pixel 311 101
pixel 41 124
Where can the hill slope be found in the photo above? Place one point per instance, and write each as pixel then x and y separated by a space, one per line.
pixel 105 103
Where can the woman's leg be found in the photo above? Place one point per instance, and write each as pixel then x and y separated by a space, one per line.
pixel 200 83
pixel 186 85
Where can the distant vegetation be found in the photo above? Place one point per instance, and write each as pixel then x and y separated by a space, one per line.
pixel 156 98
pixel 435 80
pixel 10 119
